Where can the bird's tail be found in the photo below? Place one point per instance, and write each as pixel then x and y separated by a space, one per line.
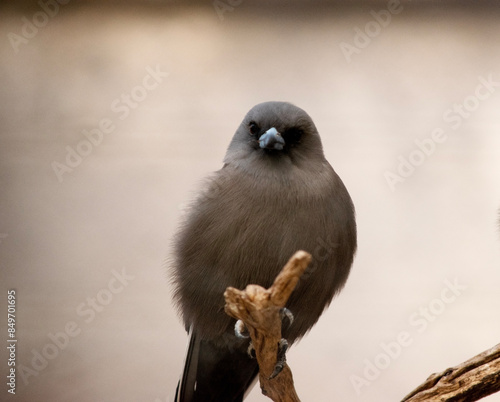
pixel 215 373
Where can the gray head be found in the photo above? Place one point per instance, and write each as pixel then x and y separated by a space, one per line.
pixel 278 134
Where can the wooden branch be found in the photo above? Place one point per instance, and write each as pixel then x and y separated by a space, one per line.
pixel 259 309
pixel 469 381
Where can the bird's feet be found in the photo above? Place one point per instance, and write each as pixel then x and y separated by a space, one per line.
pixel 281 359
pixel 286 315
pixel 241 332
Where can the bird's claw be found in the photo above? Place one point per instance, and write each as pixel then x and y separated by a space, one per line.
pixel 240 330
pixel 281 359
pixel 251 351
pixel 284 312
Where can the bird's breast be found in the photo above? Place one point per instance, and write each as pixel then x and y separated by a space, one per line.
pixel 256 225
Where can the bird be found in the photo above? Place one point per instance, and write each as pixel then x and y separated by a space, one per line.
pixel 275 194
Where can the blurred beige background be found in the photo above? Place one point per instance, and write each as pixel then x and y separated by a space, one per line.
pixel 167 84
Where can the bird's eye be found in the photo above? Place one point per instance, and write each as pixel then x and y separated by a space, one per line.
pixel 253 127
pixel 293 135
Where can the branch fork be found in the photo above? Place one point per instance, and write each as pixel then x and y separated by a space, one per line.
pixel 259 309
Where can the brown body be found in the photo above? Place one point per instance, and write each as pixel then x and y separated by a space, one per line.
pixel 245 230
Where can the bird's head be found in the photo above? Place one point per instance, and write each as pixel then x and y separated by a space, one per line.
pixel 274 135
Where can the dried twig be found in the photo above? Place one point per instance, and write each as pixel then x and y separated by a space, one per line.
pixel 259 309
pixel 469 381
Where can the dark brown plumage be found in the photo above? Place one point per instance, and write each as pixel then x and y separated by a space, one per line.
pixel 275 194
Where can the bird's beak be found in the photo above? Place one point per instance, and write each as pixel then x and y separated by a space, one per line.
pixel 272 139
